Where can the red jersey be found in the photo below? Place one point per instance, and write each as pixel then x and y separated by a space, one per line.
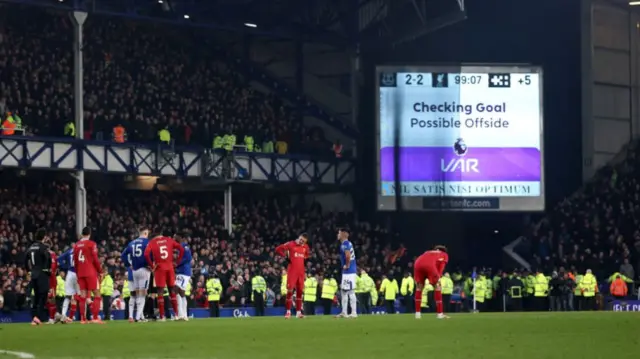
pixel 162 248
pixel 54 263
pixel 85 259
pixel 297 255
pixel 437 258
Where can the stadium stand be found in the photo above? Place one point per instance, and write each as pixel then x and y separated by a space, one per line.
pixel 142 77
pixel 596 228
pixel 115 217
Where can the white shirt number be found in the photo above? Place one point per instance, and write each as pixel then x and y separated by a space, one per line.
pixel 81 257
pixel 137 250
pixel 163 252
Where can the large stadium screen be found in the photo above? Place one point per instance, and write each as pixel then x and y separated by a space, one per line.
pixel 460 138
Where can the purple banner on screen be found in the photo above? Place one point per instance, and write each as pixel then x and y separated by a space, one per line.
pixel 426 164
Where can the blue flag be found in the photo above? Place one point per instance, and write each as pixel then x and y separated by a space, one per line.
pixel 474 275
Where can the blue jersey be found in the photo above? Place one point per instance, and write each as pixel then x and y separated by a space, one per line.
pixel 134 253
pixel 348 247
pixel 65 261
pixel 129 274
pixel 184 267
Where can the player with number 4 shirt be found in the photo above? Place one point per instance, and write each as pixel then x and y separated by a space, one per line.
pixel 89 271
pixel 159 255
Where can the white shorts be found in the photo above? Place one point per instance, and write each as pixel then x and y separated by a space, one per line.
pixel 71 284
pixel 349 281
pixel 182 281
pixel 141 279
pixel 131 287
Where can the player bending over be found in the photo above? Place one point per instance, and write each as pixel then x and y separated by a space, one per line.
pixel 71 290
pixel 89 272
pixel 348 286
pixel 159 255
pixel 430 265
pixel 296 251
pixel 140 273
pixel 183 271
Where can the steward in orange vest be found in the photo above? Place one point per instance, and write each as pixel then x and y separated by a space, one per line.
pixel 618 288
pixel 8 127
pixel 119 134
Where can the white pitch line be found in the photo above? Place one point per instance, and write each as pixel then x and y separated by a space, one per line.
pixel 18 354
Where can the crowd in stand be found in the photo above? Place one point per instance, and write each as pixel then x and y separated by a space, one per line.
pixel 597 228
pixel 141 76
pixel 259 226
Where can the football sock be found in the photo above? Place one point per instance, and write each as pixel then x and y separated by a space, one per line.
pixel 161 307
pixel 299 304
pixel 185 306
pixel 287 303
pixel 418 301
pixel 437 295
pixel 82 303
pixel 52 310
pixel 65 305
pixel 344 298
pixel 95 309
pixel 174 303
pixel 132 306
pixel 140 303
pixel 354 302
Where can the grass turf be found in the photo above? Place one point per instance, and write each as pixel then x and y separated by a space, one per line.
pixel 512 335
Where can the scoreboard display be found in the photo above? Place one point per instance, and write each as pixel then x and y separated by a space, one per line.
pixel 469 138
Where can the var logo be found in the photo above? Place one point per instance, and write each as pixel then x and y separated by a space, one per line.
pixel 459 165
pixel 237 313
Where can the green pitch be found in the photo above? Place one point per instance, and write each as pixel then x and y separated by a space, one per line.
pixel 606 335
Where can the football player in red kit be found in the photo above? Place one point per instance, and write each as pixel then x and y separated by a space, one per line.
pixel 53 284
pixel 89 271
pixel 159 255
pixel 430 265
pixel 297 251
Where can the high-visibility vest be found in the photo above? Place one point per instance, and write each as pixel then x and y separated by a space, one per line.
pixel 59 286
pixel 329 288
pixel 406 287
pixel 258 284
pixel 618 288
pixel 214 288
pixel 310 289
pixel 187 292
pixel 118 134
pixel 70 129
pixel 283 285
pixel 126 293
pixel 8 128
pixel 249 142
pixel 447 285
pixel 218 142
pixel 106 287
pixel 164 135
pixel 337 149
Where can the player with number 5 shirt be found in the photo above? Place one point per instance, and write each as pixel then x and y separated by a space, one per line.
pixel 88 270
pixel 159 255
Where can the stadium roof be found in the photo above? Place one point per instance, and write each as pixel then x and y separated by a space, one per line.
pixel 337 22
